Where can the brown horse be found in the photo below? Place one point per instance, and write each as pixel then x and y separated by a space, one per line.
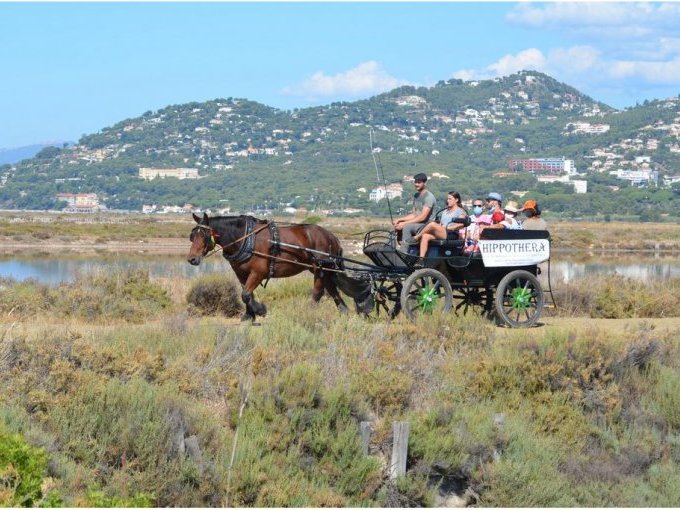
pixel 258 249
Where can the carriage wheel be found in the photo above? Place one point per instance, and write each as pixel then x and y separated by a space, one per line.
pixel 386 294
pixel 426 291
pixel 475 299
pixel 519 299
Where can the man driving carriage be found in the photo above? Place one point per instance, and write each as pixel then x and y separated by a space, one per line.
pixel 424 204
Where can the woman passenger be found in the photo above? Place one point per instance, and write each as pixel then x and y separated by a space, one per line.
pixel 433 230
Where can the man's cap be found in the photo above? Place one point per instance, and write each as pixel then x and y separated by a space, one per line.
pixel 529 204
pixel 511 206
pixel 420 178
pixel 494 196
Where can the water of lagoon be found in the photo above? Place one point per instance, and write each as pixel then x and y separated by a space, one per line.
pixel 53 270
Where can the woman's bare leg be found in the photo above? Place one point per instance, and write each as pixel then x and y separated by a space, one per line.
pixel 424 230
pixel 424 243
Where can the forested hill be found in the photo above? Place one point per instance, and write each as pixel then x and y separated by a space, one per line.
pixel 250 155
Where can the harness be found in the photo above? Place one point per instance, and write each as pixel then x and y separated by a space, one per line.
pixel 246 249
pixel 275 240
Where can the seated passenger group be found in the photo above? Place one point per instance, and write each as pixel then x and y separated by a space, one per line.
pixel 495 216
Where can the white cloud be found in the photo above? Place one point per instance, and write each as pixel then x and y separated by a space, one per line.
pixel 641 17
pixel 527 59
pixel 574 60
pixel 558 62
pixel 585 66
pixel 667 73
pixel 365 79
pixel 618 45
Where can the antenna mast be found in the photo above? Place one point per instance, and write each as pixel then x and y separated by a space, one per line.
pixel 378 164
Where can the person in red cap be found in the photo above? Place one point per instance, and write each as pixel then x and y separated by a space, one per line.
pixel 533 219
pixel 497 217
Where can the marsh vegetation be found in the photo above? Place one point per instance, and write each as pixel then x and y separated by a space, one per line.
pixel 116 391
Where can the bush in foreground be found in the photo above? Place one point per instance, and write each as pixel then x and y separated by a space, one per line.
pixel 215 294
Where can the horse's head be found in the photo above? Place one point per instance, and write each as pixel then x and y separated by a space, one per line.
pixel 202 240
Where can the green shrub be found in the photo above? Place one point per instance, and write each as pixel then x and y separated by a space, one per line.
pixel 22 471
pixel 96 498
pixel 215 294
pixel 312 220
pixel 135 433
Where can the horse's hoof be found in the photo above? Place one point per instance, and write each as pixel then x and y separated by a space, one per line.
pixel 262 312
pixel 247 317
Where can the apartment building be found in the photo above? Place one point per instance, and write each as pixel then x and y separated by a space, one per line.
pixel 179 173
pixel 543 165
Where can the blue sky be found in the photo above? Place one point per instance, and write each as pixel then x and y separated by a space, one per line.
pixel 69 69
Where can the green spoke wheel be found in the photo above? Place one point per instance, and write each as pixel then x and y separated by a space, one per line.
pixel 519 299
pixel 426 292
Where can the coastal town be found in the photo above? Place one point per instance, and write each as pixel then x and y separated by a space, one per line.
pixel 220 137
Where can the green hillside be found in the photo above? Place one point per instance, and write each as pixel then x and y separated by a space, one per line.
pixel 250 156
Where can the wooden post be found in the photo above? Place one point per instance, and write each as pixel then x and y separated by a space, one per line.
pixel 365 429
pixel 400 430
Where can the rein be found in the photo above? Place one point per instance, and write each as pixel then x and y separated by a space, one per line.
pixel 215 243
pixel 265 255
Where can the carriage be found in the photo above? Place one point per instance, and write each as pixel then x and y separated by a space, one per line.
pixel 499 281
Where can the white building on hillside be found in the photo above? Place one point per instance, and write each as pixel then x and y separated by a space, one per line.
pixel 580 186
pixel 179 173
pixel 637 177
pixel 391 191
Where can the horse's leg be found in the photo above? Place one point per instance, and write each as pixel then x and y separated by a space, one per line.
pixel 329 285
pixel 248 296
pixel 249 314
pixel 317 291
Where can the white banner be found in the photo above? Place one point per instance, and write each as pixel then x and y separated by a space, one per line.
pixel 514 252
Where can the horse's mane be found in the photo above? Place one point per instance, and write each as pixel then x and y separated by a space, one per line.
pixel 243 217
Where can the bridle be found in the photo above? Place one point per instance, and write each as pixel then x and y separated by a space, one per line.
pixel 209 238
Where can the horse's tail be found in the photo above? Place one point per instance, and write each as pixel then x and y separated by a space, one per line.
pixel 337 252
